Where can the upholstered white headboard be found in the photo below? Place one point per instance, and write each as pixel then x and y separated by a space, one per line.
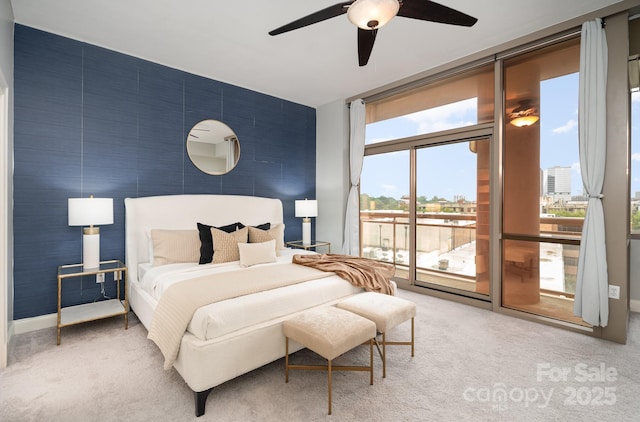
pixel 179 212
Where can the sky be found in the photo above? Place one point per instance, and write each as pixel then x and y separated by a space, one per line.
pixel 449 170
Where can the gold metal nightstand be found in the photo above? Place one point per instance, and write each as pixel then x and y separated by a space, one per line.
pixel 77 314
pixel 297 244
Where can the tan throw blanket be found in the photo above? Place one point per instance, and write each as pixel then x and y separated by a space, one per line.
pixel 374 276
pixel 179 302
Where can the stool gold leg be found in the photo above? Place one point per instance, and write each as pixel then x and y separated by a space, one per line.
pixel 384 355
pixel 329 376
pixel 371 361
pixel 286 359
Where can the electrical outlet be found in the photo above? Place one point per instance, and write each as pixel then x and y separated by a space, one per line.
pixel 614 292
pixel 100 278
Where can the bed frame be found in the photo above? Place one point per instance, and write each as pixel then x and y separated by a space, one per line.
pixel 203 364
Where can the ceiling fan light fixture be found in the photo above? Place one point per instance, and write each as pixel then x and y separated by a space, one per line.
pixel 524 115
pixel 524 121
pixel 372 14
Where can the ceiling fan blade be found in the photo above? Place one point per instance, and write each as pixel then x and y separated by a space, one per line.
pixel 319 16
pixel 434 12
pixel 366 38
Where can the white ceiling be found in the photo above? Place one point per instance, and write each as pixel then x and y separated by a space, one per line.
pixel 316 65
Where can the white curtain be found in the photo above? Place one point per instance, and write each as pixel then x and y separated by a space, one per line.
pixel 351 245
pixel 591 299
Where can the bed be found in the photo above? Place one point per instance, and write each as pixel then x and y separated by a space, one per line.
pixel 235 335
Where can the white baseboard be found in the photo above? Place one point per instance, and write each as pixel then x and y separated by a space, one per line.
pixel 35 323
pixel 634 305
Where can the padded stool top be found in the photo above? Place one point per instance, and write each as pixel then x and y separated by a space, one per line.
pixel 329 331
pixel 386 311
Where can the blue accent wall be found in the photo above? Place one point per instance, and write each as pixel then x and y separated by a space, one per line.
pixel 90 121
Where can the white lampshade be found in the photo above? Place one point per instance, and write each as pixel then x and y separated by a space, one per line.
pixel 372 14
pixel 90 211
pixel 306 208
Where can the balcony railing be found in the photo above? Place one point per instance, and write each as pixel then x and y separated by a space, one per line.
pixel 446 244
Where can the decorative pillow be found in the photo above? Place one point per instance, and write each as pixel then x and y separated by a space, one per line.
pixel 226 244
pixel 276 233
pixel 257 253
pixel 172 246
pixel 147 232
pixel 206 243
pixel 265 226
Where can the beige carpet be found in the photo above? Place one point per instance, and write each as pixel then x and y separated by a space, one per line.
pixel 470 365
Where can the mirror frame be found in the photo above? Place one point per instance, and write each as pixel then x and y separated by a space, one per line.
pixel 213 147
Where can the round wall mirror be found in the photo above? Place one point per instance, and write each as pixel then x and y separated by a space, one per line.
pixel 213 147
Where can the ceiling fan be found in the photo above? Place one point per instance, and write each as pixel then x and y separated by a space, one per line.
pixel 371 15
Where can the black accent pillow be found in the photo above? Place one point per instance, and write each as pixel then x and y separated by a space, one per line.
pixel 265 226
pixel 206 241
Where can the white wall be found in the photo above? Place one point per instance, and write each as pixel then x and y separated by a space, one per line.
pixel 332 172
pixel 6 177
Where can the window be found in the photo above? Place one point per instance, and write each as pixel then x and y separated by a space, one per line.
pixel 384 208
pixel 425 223
pixel 543 200
pixel 452 216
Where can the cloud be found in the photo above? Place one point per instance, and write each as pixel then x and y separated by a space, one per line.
pixel 567 127
pixel 635 156
pixel 444 117
pixel 388 189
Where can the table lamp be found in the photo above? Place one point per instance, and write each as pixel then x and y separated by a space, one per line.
pixel 89 212
pixel 306 208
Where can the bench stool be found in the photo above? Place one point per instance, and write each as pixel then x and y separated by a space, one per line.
pixel 329 332
pixel 387 312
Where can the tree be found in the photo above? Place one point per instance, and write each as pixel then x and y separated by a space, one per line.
pixel 380 203
pixel 635 220
pixel 365 201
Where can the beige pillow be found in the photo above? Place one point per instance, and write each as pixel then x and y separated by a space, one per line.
pixel 225 245
pixel 172 246
pixel 275 233
pixel 257 253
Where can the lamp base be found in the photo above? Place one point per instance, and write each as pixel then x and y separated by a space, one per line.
pixel 91 251
pixel 306 231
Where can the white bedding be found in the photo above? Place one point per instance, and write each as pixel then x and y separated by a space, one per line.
pixel 204 364
pixel 218 319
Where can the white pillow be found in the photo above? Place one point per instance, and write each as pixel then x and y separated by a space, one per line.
pixel 257 253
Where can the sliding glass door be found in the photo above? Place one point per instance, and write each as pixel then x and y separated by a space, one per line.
pixel 384 209
pixel 452 217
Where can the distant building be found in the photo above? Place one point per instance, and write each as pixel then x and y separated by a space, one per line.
pixel 556 183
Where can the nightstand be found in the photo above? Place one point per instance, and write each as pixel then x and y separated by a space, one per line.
pixel 77 314
pixel 297 244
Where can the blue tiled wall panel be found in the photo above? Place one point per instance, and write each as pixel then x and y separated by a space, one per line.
pixel 90 121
